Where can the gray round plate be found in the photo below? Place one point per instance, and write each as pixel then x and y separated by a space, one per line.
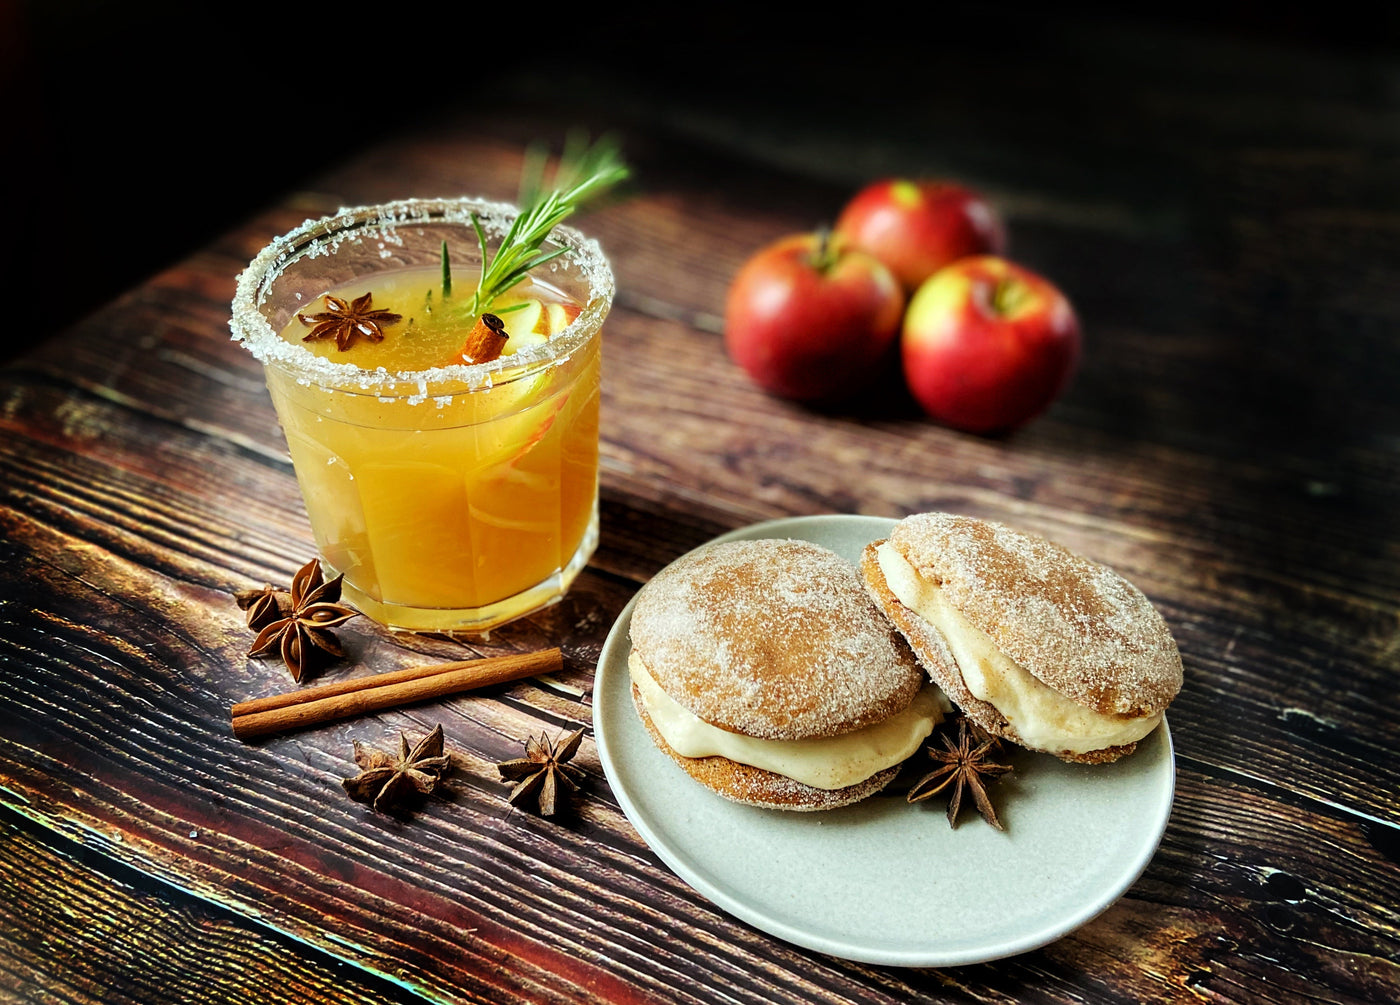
pixel 885 881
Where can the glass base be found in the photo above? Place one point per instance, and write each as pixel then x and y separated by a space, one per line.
pixel 476 622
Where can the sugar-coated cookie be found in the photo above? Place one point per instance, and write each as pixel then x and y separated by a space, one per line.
pixel 766 671
pixel 1034 643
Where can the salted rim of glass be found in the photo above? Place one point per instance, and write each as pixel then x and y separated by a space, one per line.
pixel 324 236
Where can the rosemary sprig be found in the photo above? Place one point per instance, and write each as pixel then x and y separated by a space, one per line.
pixel 582 174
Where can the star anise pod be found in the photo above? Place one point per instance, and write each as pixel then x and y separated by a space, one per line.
pixel 964 766
pixel 301 635
pixel 543 771
pixel 263 606
pixel 387 782
pixel 342 321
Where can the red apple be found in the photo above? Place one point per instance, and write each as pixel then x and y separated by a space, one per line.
pixel 810 319
pixel 917 227
pixel 987 344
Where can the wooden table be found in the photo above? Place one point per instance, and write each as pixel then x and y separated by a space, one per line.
pixel 1231 444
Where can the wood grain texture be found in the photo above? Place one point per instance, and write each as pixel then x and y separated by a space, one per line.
pixel 1210 450
pixel 75 928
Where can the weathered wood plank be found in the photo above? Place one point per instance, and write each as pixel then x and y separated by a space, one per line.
pixel 85 634
pixel 76 928
pixel 788 454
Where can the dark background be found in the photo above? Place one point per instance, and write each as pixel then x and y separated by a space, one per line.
pixel 138 131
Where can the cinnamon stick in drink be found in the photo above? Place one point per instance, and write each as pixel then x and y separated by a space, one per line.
pixel 344 699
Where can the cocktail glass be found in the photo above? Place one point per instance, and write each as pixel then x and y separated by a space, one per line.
pixel 453 499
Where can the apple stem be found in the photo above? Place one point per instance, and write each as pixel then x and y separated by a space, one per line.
pixel 1007 295
pixel 824 254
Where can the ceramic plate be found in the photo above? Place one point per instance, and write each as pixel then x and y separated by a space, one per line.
pixel 885 881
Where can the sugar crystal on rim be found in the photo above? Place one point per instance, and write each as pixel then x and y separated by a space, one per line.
pixel 319 238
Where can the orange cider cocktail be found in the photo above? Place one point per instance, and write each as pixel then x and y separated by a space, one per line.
pixel 454 494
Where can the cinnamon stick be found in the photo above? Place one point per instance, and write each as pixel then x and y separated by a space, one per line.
pixel 317 705
pixel 486 341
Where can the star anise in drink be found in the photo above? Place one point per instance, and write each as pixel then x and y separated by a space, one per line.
pixel 299 630
pixel 543 772
pixel 387 782
pixel 964 766
pixel 344 322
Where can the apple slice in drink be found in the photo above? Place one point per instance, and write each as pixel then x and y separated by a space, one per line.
pixel 523 325
pixel 524 408
pixel 503 441
pixel 534 323
pixel 560 316
pixel 529 324
pixel 553 319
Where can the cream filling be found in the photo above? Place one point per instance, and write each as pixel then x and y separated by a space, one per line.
pixel 1044 718
pixel 826 763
